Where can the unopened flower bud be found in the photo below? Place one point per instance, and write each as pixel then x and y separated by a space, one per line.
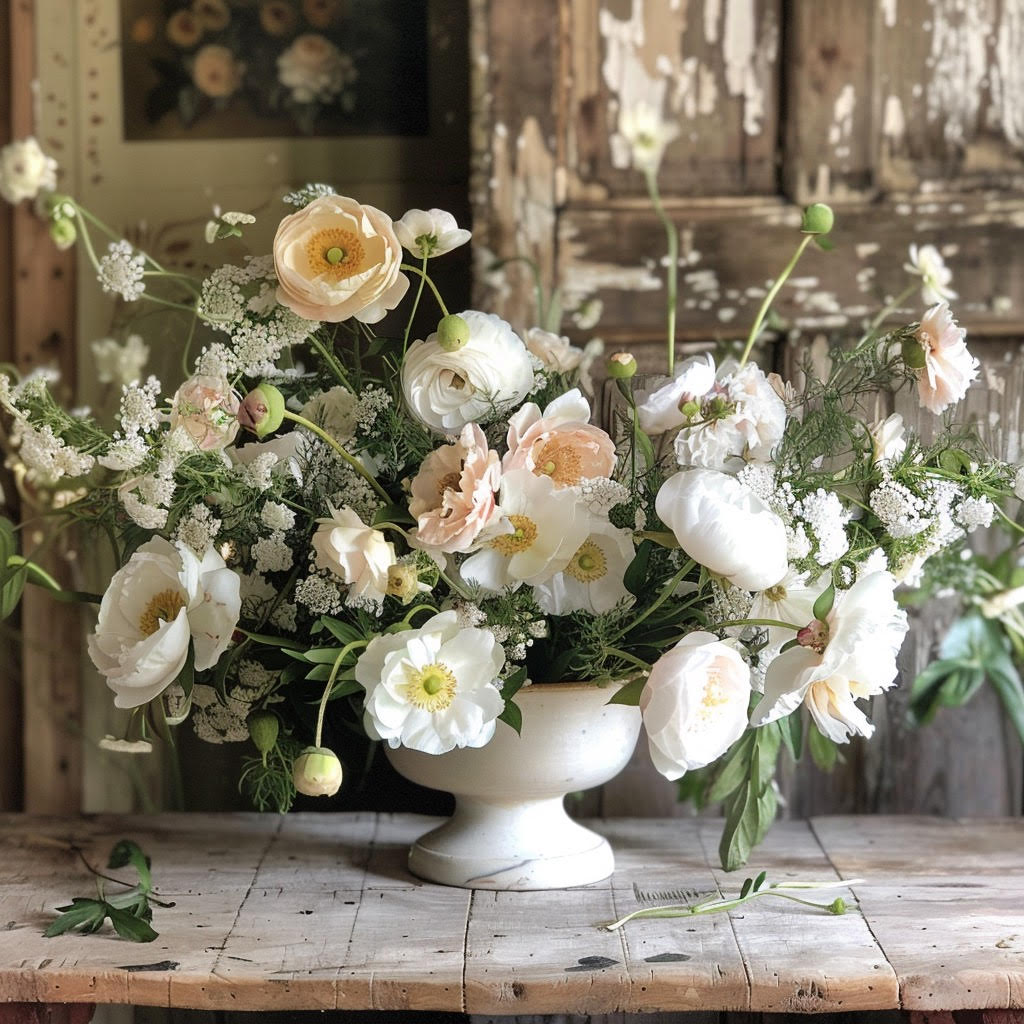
pixel 837 906
pixel 262 410
pixel 913 353
pixel 263 729
pixel 317 772
pixel 64 233
pixel 452 332
pixel 621 365
pixel 689 407
pixel 817 220
pixel 403 582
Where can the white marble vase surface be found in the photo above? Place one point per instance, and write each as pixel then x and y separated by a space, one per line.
pixel 510 830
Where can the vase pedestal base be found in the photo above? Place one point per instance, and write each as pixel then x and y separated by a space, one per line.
pixel 521 846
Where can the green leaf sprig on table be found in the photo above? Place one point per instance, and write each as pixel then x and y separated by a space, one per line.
pixel 130 912
pixel 751 889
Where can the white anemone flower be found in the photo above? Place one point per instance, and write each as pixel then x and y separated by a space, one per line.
pixel 660 410
pixel 427 233
pixel 434 688
pixel 790 600
pixel 848 656
pixel 162 599
pixel 541 528
pixel 927 263
pixel 646 134
pixel 593 579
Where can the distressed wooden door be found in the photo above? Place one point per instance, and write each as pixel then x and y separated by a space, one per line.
pixel 906 115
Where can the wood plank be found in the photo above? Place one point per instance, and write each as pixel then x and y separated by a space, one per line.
pixel 943 885
pixel 801 960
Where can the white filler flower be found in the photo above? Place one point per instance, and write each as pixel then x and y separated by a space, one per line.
pixel 850 655
pixel 695 703
pixel 163 598
pixel 25 171
pixel 434 688
pixel 720 523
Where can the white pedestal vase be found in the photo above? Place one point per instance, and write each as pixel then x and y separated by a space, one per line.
pixel 510 829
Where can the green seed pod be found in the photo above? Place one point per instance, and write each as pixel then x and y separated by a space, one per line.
pixel 64 233
pixel 621 365
pixel 817 220
pixel 264 727
pixel 452 332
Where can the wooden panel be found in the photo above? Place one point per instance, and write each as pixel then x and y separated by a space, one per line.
pixel 709 67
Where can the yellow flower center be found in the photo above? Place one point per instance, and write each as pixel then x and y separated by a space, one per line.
pixel 776 593
pixel 334 253
pixel 431 688
pixel 588 564
pixel 714 696
pixel 561 462
pixel 162 607
pixel 523 534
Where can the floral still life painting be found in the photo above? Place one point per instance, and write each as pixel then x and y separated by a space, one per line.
pixel 237 69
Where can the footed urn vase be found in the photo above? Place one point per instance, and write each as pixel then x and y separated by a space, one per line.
pixel 510 829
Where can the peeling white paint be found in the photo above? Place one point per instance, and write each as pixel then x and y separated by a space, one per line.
pixel 749 62
pixel 842 115
pixel 725 314
pixel 866 249
pixel 889 12
pixel 894 124
pixel 1008 73
pixel 712 13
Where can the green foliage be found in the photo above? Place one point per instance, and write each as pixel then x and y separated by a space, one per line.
pixel 129 912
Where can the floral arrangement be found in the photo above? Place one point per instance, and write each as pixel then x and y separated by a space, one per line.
pixel 335 522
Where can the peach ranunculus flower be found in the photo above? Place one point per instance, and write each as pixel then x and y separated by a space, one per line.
pixel 207 408
pixel 337 259
pixel 559 442
pixel 948 367
pixel 216 73
pixel 453 493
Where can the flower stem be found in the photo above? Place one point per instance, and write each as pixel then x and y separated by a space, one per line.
pixel 770 297
pixel 672 275
pixel 626 656
pixel 415 305
pixel 433 287
pixel 329 358
pixel 538 286
pixel 342 654
pixel 756 622
pixel 666 592
pixel 347 456
pixel 886 310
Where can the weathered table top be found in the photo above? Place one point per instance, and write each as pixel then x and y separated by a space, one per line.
pixel 318 911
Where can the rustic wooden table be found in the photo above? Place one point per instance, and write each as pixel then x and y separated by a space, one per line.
pixel 319 912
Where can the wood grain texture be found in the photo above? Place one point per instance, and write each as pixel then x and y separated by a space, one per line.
pixel 318 912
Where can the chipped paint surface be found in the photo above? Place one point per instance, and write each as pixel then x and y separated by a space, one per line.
pixel 749 61
pixel 889 12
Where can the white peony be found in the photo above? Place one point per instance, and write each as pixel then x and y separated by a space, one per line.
pixel 541 528
pixel 427 233
pixel 25 171
pixel 356 553
pixel 851 655
pixel 660 412
pixel 447 390
pixel 162 599
pixel 694 704
pixel 434 688
pixel 723 525
pixel 593 579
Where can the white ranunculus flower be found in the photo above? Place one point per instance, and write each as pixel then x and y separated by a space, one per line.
pixel 25 170
pixel 540 529
pixel 927 263
pixel 723 525
pixel 334 411
pixel 118 363
pixel 356 553
pixel 790 600
pixel 447 390
pixel 694 704
pixel 659 412
pixel 592 581
pixel 851 655
pixel 162 599
pixel 434 688
pixel 428 233
pixel 887 438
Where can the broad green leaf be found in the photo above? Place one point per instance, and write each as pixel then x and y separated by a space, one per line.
pixel 512 715
pixel 634 579
pixel 80 913
pixel 792 729
pixel 513 684
pixel 1006 682
pixel 630 693
pixel 130 927
pixel 341 630
pixel 735 768
pixel 128 852
pixel 823 750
